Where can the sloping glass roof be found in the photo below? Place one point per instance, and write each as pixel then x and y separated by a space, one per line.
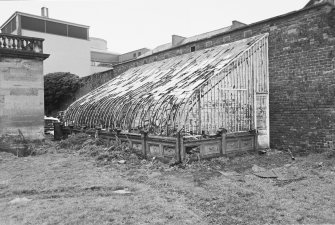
pixel 154 93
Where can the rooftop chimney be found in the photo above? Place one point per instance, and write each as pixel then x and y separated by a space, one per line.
pixel 237 24
pixel 176 39
pixel 44 12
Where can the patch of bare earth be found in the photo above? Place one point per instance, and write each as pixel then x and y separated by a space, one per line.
pixel 68 188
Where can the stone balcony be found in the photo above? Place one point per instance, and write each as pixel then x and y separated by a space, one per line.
pixel 15 45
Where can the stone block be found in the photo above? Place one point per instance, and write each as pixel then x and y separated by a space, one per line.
pixel 21 96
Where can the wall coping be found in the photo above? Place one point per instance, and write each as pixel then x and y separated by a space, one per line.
pixel 246 27
pixel 22 54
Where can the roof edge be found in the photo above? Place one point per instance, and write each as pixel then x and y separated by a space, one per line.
pixel 243 28
pixel 9 19
pixel 44 18
pixel 281 16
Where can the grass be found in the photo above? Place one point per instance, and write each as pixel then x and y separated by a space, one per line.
pixel 71 185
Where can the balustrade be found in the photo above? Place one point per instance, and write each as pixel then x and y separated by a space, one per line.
pixel 21 43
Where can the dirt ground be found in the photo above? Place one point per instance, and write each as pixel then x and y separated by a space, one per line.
pixel 66 187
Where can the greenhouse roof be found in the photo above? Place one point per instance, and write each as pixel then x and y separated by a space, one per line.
pixel 171 80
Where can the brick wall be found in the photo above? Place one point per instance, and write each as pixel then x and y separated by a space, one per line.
pixel 301 70
pixel 88 84
pixel 93 81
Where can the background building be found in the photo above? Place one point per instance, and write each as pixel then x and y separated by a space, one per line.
pixel 132 55
pixel 70 47
pixel 101 58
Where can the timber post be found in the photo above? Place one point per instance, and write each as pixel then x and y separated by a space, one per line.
pixel 144 137
pixel 223 146
pixel 180 153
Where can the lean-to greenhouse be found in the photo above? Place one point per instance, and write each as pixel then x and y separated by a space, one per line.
pixel 199 93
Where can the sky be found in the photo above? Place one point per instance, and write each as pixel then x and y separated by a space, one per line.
pixel 128 25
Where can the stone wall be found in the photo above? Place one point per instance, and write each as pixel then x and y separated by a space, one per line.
pixel 301 70
pixel 21 93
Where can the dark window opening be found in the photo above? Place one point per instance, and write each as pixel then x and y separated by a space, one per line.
pixel 139 53
pixel 32 24
pixel 7 29
pixel 193 49
pixel 134 55
pixel 77 32
pixel 56 28
pixel 50 27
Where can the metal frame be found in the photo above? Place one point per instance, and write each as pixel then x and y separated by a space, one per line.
pixel 224 97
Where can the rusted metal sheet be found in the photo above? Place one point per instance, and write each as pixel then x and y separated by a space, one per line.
pixel 196 93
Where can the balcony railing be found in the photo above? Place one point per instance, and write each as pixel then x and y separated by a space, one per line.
pixel 21 43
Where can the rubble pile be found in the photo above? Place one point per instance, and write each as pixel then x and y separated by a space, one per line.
pixel 15 144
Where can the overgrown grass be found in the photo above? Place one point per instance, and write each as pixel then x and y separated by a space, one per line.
pixel 100 149
pixel 75 141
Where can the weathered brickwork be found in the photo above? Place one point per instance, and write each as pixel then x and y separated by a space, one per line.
pixel 95 80
pixel 301 70
pixel 88 84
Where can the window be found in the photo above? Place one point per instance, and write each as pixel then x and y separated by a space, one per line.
pixel 134 55
pixel 7 29
pixel 51 27
pixel 56 28
pixel 193 49
pixel 32 24
pixel 94 63
pixel 139 53
pixel 77 32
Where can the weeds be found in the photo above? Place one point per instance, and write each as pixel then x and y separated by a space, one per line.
pixel 330 154
pixel 100 149
pixel 15 144
pixel 74 141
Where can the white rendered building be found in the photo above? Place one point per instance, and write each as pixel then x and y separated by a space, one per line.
pixel 67 43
